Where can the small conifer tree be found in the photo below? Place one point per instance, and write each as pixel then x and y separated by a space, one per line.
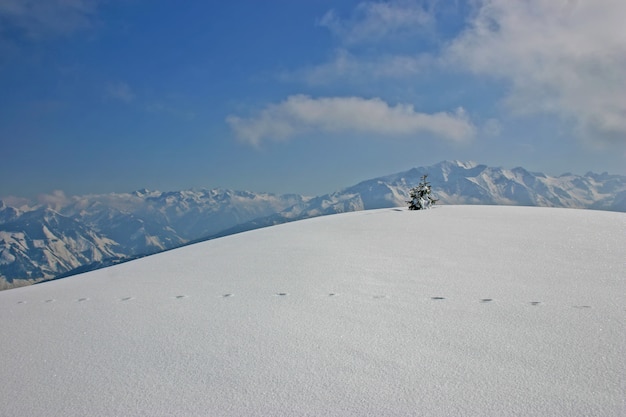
pixel 421 197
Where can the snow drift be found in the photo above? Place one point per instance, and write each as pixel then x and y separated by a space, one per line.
pixel 459 310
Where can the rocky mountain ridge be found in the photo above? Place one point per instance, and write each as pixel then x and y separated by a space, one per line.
pixel 41 242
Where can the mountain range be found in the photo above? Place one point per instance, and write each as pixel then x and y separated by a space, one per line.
pixel 76 234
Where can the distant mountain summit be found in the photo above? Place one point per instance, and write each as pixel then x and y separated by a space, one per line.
pixel 86 232
pixel 456 182
pixel 470 183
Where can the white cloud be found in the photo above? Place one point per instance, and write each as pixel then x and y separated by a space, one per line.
pixel 300 114
pixel 375 21
pixel 561 57
pixel 41 18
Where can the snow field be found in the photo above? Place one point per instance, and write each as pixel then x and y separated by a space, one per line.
pixel 459 310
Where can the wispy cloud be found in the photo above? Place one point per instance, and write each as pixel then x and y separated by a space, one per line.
pixel 55 200
pixel 376 41
pixel 17 202
pixel 301 114
pixel 373 21
pixel 358 69
pixel 38 19
pixel 119 91
pixel 561 57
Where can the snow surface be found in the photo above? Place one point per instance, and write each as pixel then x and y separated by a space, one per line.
pixel 455 311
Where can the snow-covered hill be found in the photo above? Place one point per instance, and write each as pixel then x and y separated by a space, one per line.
pixel 115 227
pixel 458 310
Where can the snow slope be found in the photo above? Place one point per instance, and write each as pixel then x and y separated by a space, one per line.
pixel 455 311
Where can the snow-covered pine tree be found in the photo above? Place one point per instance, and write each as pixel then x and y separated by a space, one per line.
pixel 421 197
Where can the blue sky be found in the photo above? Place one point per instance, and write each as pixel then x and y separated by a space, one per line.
pixel 303 96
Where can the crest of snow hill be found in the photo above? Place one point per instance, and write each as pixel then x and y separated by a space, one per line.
pixel 88 232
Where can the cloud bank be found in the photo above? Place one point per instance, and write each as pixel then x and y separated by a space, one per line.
pixel 301 114
pixel 561 57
